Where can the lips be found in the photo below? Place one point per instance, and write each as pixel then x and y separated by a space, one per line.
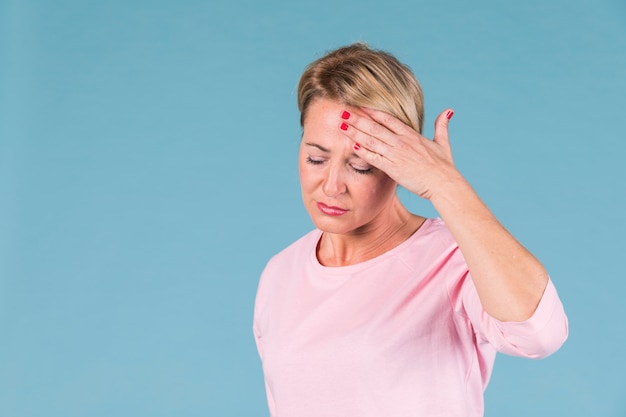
pixel 330 210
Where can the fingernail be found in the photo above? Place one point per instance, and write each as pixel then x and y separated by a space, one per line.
pixel 343 126
pixel 356 146
pixel 450 114
pixel 345 115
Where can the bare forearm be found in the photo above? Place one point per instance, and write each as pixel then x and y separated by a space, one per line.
pixel 509 280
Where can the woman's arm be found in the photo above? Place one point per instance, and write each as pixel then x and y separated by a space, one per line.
pixel 509 280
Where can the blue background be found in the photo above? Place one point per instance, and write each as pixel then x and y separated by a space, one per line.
pixel 148 171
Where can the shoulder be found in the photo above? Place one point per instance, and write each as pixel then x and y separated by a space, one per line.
pixel 433 238
pixel 290 261
pixel 436 230
pixel 433 252
pixel 295 253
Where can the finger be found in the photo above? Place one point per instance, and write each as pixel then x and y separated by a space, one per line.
pixel 373 158
pixel 441 128
pixel 387 120
pixel 363 123
pixel 367 140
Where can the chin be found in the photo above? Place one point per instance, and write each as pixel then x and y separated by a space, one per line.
pixel 337 226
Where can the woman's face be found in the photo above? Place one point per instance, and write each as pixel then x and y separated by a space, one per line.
pixel 342 193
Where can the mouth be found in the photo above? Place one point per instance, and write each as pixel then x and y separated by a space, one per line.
pixel 330 210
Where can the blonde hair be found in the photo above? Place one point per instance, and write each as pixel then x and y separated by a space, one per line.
pixel 363 77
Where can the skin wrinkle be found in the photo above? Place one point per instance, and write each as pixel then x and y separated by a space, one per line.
pixel 376 220
pixel 462 277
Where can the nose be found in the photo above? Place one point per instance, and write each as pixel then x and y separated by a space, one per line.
pixel 334 183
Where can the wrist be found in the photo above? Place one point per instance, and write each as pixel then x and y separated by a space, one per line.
pixel 453 190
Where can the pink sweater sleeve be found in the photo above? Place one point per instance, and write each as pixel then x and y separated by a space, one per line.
pixel 539 336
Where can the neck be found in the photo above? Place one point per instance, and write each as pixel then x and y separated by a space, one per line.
pixel 368 241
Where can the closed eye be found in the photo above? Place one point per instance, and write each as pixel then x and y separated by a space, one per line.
pixel 355 168
pixel 361 170
pixel 314 161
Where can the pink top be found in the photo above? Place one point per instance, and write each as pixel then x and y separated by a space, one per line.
pixel 403 334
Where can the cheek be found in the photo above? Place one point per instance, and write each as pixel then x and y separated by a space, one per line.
pixel 380 191
pixel 302 168
pixel 307 177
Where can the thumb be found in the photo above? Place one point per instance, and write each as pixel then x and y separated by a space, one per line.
pixel 441 128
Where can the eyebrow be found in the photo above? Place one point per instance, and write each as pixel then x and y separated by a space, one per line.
pixel 321 148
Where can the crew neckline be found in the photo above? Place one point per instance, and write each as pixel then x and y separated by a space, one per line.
pixel 351 269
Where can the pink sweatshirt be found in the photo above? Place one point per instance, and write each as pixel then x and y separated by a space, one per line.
pixel 403 334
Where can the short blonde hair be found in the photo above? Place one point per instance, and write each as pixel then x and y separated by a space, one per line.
pixel 363 77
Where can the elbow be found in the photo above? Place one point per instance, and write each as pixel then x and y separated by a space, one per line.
pixel 537 339
pixel 551 340
pixel 558 339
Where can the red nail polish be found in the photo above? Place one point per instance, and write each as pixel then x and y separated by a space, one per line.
pixel 345 115
pixel 450 114
pixel 356 146
pixel 343 126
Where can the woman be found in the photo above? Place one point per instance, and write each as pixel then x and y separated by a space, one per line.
pixel 378 311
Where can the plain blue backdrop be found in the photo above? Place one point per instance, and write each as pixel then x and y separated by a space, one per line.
pixel 148 171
